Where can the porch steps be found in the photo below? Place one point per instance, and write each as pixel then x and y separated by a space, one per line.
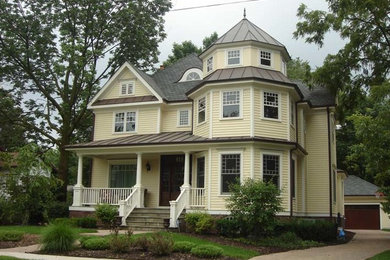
pixel 148 219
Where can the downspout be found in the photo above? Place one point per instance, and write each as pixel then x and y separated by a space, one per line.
pixel 330 165
pixel 292 181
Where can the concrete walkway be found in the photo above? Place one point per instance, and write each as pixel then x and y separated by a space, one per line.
pixel 365 244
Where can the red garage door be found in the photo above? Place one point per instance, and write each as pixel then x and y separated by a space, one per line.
pixel 362 217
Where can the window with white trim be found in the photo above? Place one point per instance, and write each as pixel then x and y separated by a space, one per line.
pixel 230 171
pixel 292 113
pixel 125 122
pixel 193 76
pixel 201 110
pixel 271 105
pixel 184 117
pixel 127 88
pixel 265 58
pixel 209 64
pixel 123 175
pixel 233 57
pixel 271 169
pixel 231 104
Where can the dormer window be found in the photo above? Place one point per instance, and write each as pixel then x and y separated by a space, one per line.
pixel 265 58
pixel 209 64
pixel 193 76
pixel 127 88
pixel 233 57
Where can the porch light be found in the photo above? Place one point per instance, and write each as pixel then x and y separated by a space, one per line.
pixel 148 168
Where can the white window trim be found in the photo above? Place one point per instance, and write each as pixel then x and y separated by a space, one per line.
pixel 118 162
pixel 241 57
pixel 221 104
pixel 196 70
pixel 125 132
pixel 197 110
pixel 280 154
pixel 262 105
pixel 178 117
pixel 240 152
pixel 212 64
pixel 271 59
pixel 126 82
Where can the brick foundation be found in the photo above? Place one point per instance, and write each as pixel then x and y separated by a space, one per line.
pixel 80 214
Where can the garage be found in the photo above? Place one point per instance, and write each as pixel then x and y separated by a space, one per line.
pixel 362 217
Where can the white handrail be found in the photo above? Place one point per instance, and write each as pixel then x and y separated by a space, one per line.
pixel 128 205
pixel 177 207
pixel 95 196
pixel 197 197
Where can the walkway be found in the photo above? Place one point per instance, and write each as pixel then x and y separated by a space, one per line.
pixel 365 244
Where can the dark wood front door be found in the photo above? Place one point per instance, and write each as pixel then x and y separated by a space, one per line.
pixel 171 177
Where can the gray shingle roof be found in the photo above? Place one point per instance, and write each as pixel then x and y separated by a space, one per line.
pixel 247 31
pixel 355 186
pixel 317 96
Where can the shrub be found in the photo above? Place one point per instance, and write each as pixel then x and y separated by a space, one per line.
pixel 11 235
pixel 288 240
pixel 86 222
pixel 255 204
pixel 319 230
pixel 160 245
pixel 121 243
pixel 58 209
pixel 58 238
pixel 141 242
pixel 183 246
pixel 207 251
pixel 96 243
pixel 199 222
pixel 107 214
pixel 65 221
pixel 228 227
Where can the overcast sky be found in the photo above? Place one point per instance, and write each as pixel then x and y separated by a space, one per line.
pixel 276 17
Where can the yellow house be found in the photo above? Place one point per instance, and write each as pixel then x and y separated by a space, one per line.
pixel 172 142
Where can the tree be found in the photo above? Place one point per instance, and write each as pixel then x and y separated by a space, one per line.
pixel 58 52
pixel 209 40
pixel 299 69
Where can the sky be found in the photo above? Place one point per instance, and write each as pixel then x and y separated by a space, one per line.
pixel 276 17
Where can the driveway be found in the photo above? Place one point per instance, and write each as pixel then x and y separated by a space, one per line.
pixel 366 243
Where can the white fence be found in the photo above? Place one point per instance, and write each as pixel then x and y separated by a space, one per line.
pixel 94 196
pixel 197 198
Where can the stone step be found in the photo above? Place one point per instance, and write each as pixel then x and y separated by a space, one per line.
pixel 151 210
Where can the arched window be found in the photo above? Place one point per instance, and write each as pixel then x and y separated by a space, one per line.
pixel 193 76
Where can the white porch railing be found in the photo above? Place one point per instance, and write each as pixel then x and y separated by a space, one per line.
pixel 128 205
pixel 177 207
pixel 197 198
pixel 94 196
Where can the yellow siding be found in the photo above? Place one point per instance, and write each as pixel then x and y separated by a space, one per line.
pixel 317 163
pixel 113 90
pixel 104 122
pixel 203 128
pixel 300 126
pixel 169 117
pixel 293 136
pixel 100 170
pixel 150 180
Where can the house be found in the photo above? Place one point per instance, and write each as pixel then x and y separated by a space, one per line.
pixel 172 142
pixel 363 209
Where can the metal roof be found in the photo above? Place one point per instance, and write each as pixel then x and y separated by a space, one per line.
pixel 124 100
pixel 355 186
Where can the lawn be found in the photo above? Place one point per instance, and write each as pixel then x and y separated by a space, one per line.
pixel 39 229
pixel 4 257
pixel 382 256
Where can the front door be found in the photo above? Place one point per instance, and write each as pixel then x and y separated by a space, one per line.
pixel 171 177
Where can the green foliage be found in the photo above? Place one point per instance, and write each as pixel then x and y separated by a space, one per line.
pixel 57 209
pixel 254 204
pixel 209 40
pixel 86 222
pixel 382 256
pixel 121 243
pixel 11 235
pixel 315 230
pixel 95 243
pixel 106 214
pixel 299 69
pixel 3 257
pixel 288 240
pixel 160 245
pixel 199 222
pixel 183 246
pixel 58 238
pixel 228 227
pixel 141 242
pixel 207 251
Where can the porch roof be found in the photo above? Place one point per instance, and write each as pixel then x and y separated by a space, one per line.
pixel 182 137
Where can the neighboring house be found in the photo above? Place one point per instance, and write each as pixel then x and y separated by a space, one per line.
pixel 180 136
pixel 363 208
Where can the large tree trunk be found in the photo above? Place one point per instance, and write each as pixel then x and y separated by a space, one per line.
pixel 63 172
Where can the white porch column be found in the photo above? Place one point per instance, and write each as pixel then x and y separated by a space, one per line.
pixel 78 188
pixel 186 185
pixel 139 194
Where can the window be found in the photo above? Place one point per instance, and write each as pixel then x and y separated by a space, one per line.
pixel 201 110
pixel 230 170
pixel 184 118
pixel 271 169
pixel 209 64
pixel 271 105
pixel 292 113
pixel 233 57
pixel 127 88
pixel 123 175
pixel 200 172
pixel 193 76
pixel 265 58
pixel 122 125
pixel 284 68
pixel 231 103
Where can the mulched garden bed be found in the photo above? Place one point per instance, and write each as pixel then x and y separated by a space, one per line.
pixel 27 240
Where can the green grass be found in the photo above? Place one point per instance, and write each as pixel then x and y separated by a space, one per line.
pixel 39 229
pixel 230 251
pixel 382 256
pixel 4 257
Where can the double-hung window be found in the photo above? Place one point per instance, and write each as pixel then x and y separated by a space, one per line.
pixel 209 64
pixel 230 170
pixel 125 122
pixel 231 103
pixel 271 105
pixel 271 169
pixel 201 110
pixel 184 118
pixel 233 57
pixel 265 58
pixel 122 175
pixel 127 88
